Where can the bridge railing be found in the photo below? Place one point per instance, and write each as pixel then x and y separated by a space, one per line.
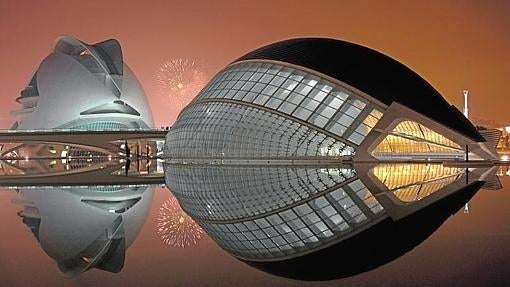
pixel 80 130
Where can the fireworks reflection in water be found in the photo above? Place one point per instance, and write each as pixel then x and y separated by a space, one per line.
pixel 175 227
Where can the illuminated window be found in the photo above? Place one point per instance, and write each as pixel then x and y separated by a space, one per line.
pixel 415 140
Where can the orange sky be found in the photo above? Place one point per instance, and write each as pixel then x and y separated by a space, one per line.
pixel 454 45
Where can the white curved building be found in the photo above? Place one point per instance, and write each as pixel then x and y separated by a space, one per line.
pixel 83 86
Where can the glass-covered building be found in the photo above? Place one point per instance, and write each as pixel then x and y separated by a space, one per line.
pixel 291 149
pixel 82 86
pixel 326 99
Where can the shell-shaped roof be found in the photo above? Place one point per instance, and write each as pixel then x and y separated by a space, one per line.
pixel 372 72
pixel 89 81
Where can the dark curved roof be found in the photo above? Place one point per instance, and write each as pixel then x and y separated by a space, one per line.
pixel 371 72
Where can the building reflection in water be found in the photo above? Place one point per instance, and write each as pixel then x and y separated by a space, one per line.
pixel 288 220
pixel 411 182
pixel 138 157
pixel 85 227
pixel 295 221
pixel 52 158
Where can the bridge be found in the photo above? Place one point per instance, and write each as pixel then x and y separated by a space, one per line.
pixel 77 157
pixel 101 139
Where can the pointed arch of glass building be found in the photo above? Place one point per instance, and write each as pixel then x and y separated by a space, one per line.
pixel 270 109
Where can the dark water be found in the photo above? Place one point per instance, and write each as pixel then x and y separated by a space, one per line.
pixel 468 249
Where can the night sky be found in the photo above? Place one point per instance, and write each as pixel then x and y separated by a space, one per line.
pixel 452 44
pixel 455 45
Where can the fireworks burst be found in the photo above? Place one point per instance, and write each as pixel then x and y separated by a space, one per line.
pixel 175 227
pixel 180 79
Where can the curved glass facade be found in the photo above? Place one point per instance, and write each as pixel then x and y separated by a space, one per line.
pixel 97 126
pixel 257 109
pixel 411 139
pixel 263 157
pixel 222 129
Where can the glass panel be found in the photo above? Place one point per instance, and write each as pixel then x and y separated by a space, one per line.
pixel 415 140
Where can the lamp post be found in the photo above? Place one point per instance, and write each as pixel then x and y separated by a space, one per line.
pixel 466 114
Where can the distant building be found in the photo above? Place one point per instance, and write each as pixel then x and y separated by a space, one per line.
pixel 83 86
